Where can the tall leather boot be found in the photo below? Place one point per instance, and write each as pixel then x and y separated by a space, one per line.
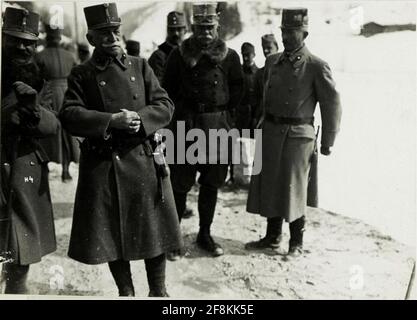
pixel 155 272
pixel 16 277
pixel 296 237
pixel 207 200
pixel 120 270
pixel 180 203
pixel 272 238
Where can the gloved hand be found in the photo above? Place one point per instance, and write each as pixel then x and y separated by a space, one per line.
pixel 325 151
pixel 26 97
pixel 126 120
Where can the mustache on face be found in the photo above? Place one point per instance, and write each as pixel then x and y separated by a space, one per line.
pixel 208 37
pixel 109 45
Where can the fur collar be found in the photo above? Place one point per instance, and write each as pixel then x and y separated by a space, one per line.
pixel 192 52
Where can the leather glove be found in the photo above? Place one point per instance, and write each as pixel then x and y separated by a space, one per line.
pixel 26 97
pixel 325 151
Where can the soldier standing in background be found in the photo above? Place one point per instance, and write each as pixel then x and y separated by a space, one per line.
pixel 55 64
pixel 124 207
pixel 176 29
pixel 204 78
pixel 295 80
pixel 269 46
pixel 83 52
pixel 27 231
pixel 133 48
pixel 245 113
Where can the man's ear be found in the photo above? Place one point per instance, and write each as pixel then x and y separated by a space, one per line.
pixel 305 34
pixel 90 39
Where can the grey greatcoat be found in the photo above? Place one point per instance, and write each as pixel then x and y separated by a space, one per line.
pixel 292 87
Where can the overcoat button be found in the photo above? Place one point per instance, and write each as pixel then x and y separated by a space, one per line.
pixel 117 157
pixel 102 83
pixel 32 163
pixel 135 96
pixel 132 78
pixel 141 152
pixel 6 164
pixel 215 82
pixel 130 63
pixel 286 103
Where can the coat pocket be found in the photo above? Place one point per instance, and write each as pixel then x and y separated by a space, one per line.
pixel 302 131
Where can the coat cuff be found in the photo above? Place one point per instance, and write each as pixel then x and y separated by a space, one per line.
pixel 328 138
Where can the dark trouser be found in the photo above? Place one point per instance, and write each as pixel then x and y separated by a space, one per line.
pixel 155 271
pixel 296 232
pixel 274 229
pixel 15 276
pixel 212 177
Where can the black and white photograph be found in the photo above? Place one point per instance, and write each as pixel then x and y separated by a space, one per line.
pixel 208 150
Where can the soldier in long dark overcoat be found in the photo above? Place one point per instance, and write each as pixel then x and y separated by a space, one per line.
pixel 294 81
pixel 27 230
pixel 176 29
pixel 55 64
pixel 204 78
pixel 124 210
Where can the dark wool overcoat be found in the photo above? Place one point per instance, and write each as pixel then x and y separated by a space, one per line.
pixel 25 201
pixel 123 210
pixel 55 65
pixel 206 86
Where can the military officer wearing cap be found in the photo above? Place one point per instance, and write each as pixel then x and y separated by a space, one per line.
pixel 204 78
pixel 124 207
pixel 133 48
pixel 295 80
pixel 26 219
pixel 176 29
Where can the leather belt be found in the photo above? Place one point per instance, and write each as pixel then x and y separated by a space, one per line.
pixel 205 108
pixel 289 121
